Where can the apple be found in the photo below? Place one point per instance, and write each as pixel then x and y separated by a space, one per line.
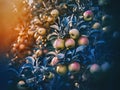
pixel 22 46
pixel 42 31
pixel 83 40
pixel 94 68
pixel 54 13
pixel 61 69
pixel 54 61
pixel 106 20
pixel 74 33
pixel 96 25
pixel 74 67
pixel 59 44
pixel 105 66
pixel 51 75
pixel 21 85
pixel 69 43
pixel 88 15
pixel 50 20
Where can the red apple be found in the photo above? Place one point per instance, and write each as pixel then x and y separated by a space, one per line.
pixel 88 15
pixel 61 69
pixel 83 40
pixel 74 33
pixel 69 43
pixel 74 67
pixel 94 68
pixel 59 44
pixel 54 61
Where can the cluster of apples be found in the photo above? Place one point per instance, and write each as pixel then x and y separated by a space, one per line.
pixel 33 41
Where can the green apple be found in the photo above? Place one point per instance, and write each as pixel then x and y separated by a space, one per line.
pixel 74 33
pixel 61 69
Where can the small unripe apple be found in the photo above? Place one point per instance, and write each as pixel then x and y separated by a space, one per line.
pixel 74 33
pixel 74 67
pixel 69 43
pixel 106 20
pixel 51 75
pixel 59 44
pixel 61 69
pixel 83 40
pixel 88 15
pixel 54 61
pixel 94 68
pixel 21 85
pixel 54 13
pixel 96 25
pixel 42 31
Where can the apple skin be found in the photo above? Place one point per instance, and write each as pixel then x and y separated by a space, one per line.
pixel 54 13
pixel 69 43
pixel 88 15
pixel 61 69
pixel 59 44
pixel 96 25
pixel 54 61
pixel 94 68
pixel 83 40
pixel 42 31
pixel 74 67
pixel 74 33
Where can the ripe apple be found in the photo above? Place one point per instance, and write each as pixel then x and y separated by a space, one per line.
pixel 54 61
pixel 88 15
pixel 42 31
pixel 21 85
pixel 96 25
pixel 61 69
pixel 74 33
pixel 83 40
pixel 94 68
pixel 69 43
pixel 54 13
pixel 59 44
pixel 74 67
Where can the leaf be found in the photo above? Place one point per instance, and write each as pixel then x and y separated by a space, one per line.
pixel 61 56
pixel 80 49
pixel 30 59
pixel 52 36
pixel 55 27
pixel 51 54
pixel 100 42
